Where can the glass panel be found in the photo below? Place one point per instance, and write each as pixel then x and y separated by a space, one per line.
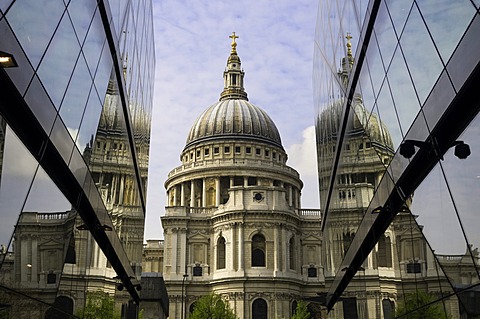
pixel 446 35
pixel 399 11
pixel 75 100
pixel 34 23
pixel 18 169
pixel 81 12
pixel 406 104
pixel 40 104
pixel 89 125
pixel 467 54
pixel 21 75
pixel 103 72
pixel 92 48
pixel 385 35
pixel 57 65
pixel 62 140
pixel 422 59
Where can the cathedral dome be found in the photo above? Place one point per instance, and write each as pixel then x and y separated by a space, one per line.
pixel 360 122
pixel 233 116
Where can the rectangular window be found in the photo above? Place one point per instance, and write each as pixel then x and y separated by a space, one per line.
pixel 237 149
pixel 227 149
pixel 51 278
pixel 258 151
pixel 274 155
pixel 216 150
pixel 207 151
pixel 414 268
pixel 197 271
pixel 312 272
pixel 267 153
pixel 248 150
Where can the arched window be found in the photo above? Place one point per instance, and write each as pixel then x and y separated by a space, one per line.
pixel 347 240
pixel 294 307
pixel 384 252
pixel 259 309
pixel 291 251
pixel 258 251
pixel 221 253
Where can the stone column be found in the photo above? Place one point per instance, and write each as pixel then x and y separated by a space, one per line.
pixel 35 259
pixel 283 247
pixel 217 191
pixel 276 252
pixel 192 193
pixel 174 188
pixel 241 259
pixel 231 182
pixel 204 193
pixel 290 195
pixel 183 250
pixel 182 194
pixel 174 237
pixel 231 248
pixel 245 181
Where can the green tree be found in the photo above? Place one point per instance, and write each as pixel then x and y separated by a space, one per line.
pixel 212 307
pixel 420 305
pixel 99 305
pixel 301 312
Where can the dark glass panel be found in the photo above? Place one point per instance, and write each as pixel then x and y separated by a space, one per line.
pixel 57 65
pixel 34 23
pixel 40 104
pixel 440 98
pixel 62 140
pixel 22 74
pixel 466 55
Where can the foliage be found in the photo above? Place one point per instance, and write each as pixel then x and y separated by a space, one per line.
pixel 212 307
pixel 99 305
pixel 411 306
pixel 302 311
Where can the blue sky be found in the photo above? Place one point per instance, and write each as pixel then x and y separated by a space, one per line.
pixel 275 46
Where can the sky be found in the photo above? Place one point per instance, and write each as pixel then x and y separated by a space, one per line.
pixel 192 43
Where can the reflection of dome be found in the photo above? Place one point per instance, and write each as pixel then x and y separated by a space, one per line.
pixel 360 122
pixel 234 118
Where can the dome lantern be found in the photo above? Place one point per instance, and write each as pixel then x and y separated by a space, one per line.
pixel 233 75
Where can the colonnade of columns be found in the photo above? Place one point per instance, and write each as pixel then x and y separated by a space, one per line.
pixel 207 192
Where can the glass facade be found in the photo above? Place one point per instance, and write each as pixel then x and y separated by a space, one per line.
pixel 75 120
pixel 398 157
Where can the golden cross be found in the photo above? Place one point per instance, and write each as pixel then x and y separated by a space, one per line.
pixel 233 37
pixel 234 44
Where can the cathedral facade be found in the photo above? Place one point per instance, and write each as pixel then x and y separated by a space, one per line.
pixel 234 225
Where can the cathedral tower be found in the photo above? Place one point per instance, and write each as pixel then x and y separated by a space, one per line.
pixel 234 223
